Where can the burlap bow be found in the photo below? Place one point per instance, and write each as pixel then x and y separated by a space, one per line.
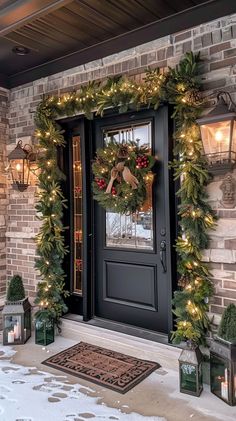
pixel 127 176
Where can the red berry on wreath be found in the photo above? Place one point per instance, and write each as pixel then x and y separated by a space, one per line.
pixel 113 191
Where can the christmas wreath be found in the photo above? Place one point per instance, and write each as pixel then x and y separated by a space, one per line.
pixel 122 175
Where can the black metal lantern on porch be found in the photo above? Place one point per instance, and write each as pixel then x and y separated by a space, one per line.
pixel 223 358
pixel 223 370
pixel 218 132
pixel 44 328
pixel 190 370
pixel 16 322
pixel 19 166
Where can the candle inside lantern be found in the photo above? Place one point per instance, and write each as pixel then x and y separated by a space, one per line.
pixel 11 337
pixel 24 335
pixel 17 330
pixel 226 375
pixel 219 138
pixel 224 390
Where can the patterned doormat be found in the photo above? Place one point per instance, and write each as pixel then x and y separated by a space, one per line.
pixel 107 368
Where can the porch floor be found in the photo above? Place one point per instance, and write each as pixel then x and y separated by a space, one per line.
pixel 27 394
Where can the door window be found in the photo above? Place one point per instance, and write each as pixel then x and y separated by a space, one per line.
pixel 133 231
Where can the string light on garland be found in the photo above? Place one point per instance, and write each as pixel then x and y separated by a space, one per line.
pixel 180 87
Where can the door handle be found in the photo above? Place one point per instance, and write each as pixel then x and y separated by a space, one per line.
pixel 163 255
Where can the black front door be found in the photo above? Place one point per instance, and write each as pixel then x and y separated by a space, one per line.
pixel 133 281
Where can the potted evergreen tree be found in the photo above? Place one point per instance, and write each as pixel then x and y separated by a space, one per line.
pixel 16 314
pixel 227 328
pixel 223 358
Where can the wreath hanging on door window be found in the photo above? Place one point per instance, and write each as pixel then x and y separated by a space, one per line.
pixel 123 177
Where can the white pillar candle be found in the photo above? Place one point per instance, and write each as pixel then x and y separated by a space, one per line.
pixel 17 330
pixel 226 375
pixel 24 335
pixel 224 390
pixel 11 337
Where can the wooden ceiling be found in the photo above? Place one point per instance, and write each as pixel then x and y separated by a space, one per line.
pixel 62 34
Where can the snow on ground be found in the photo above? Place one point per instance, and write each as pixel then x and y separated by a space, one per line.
pixel 27 394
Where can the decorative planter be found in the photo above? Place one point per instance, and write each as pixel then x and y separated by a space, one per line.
pixel 223 370
pixel 190 370
pixel 16 322
pixel 44 329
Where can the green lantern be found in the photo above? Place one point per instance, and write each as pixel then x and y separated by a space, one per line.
pixel 44 328
pixel 190 370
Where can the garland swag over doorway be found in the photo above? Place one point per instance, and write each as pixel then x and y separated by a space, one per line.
pixel 179 87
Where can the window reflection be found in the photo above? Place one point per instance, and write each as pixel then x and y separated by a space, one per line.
pixel 131 231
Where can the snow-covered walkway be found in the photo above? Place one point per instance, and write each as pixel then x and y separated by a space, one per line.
pixel 27 394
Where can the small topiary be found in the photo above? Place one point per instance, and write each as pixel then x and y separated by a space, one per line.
pixel 227 328
pixel 15 289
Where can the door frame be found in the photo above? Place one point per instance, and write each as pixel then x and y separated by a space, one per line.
pixel 171 218
pixel 70 125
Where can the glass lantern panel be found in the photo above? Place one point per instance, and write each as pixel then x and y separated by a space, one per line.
pixel 27 325
pixel 233 147
pixel 234 382
pixel 188 377
pixel 44 332
pixel 20 171
pixel 12 329
pixel 220 377
pixel 216 141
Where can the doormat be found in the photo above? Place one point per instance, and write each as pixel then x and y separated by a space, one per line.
pixel 102 366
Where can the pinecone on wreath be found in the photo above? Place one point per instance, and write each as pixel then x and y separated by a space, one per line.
pixel 123 152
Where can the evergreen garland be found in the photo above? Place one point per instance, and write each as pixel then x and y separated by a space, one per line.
pixel 50 240
pixel 180 87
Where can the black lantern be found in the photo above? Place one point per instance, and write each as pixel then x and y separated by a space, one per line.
pixel 223 370
pixel 190 370
pixel 19 166
pixel 16 322
pixel 218 132
pixel 44 328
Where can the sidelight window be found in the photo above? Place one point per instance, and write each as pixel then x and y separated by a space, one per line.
pixel 78 207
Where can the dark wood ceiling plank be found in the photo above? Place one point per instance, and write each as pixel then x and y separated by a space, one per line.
pixel 21 12
pixel 91 15
pixel 139 7
pixel 72 19
pixel 64 28
pixel 131 10
pixel 160 7
pixel 34 34
pixel 179 5
pixel 106 9
pixel 52 34
pixel 26 41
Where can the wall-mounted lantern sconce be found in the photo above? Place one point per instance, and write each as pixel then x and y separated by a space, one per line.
pixel 218 132
pixel 19 165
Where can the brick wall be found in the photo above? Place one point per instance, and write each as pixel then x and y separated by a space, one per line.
pixel 21 230
pixel 4 135
pixel 216 42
